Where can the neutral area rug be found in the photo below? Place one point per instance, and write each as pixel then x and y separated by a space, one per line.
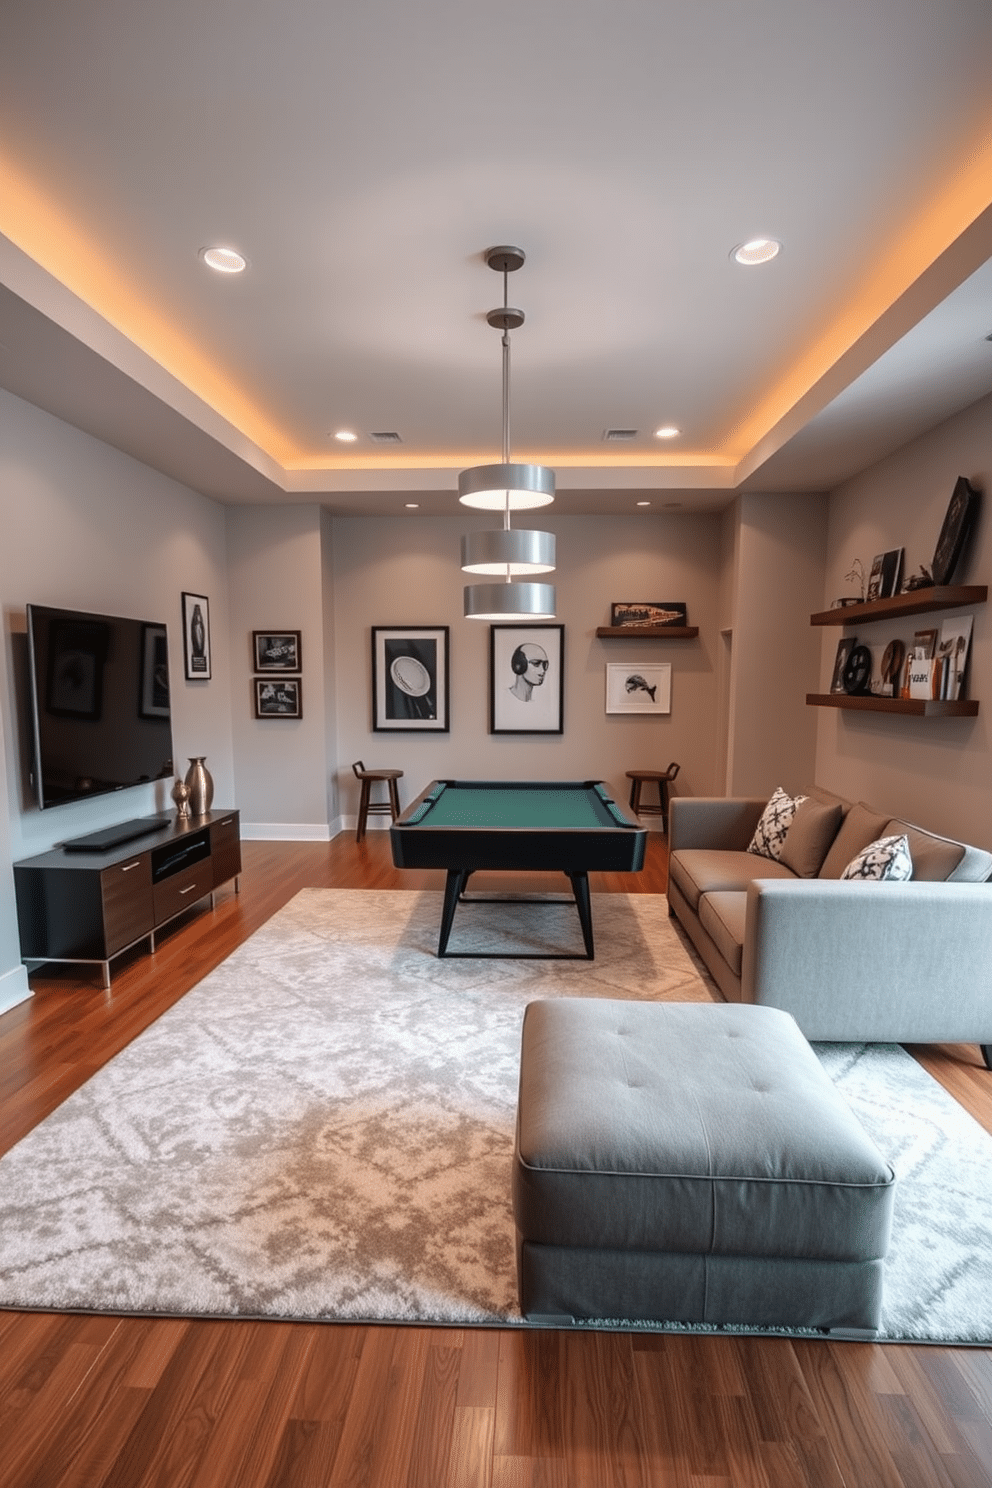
pixel 323 1128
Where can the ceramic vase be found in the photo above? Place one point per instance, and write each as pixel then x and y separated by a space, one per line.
pixel 201 785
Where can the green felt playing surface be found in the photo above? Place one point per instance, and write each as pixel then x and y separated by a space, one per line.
pixel 558 809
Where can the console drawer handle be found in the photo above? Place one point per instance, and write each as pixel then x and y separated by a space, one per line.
pixel 127 868
pixel 187 891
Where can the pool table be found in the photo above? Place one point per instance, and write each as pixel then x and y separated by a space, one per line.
pixel 566 826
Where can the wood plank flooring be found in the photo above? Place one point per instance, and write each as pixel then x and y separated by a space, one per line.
pixel 97 1402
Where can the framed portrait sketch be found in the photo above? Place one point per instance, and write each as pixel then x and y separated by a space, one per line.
pixel 526 679
pixel 278 699
pixel 277 650
pixel 638 688
pixel 196 637
pixel 154 695
pixel 410 678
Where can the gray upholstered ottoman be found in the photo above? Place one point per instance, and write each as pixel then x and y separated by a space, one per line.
pixel 691 1162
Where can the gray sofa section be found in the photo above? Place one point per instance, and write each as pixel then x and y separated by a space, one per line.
pixel 906 962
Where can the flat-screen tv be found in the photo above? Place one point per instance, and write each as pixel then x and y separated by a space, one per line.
pixel 99 702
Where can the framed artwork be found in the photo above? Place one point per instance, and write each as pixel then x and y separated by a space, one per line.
pixel 153 697
pixel 278 699
pixel 886 571
pixel 196 637
pixel 410 678
pixel 958 522
pixel 638 613
pixel 639 689
pixel 844 648
pixel 277 650
pixel 526 679
pixel 78 650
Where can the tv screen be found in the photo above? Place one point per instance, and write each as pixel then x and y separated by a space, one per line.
pixel 100 703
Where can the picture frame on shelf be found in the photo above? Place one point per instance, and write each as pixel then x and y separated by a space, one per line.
pixel 638 614
pixel 638 688
pixel 153 697
pixel 277 650
pixel 925 643
pixel 886 572
pixel 526 679
pixel 952 655
pixel 844 648
pixel 959 520
pixel 196 637
pixel 282 698
pixel 410 679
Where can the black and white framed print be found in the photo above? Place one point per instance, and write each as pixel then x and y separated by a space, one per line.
pixel 277 650
pixel 410 678
pixel 278 698
pixel 196 637
pixel 526 679
pixel 154 692
pixel 638 688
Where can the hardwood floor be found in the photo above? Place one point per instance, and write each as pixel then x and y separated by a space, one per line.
pixel 130 1402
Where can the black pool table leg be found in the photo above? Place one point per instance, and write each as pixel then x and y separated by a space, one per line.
pixel 580 888
pixel 454 887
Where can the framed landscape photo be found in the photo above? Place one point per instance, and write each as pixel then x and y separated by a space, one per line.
pixel 277 650
pixel 410 679
pixel 526 679
pixel 278 699
pixel 635 614
pixel 639 688
pixel 196 637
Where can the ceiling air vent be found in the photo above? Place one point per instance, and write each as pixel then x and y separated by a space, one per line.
pixel 386 436
pixel 619 436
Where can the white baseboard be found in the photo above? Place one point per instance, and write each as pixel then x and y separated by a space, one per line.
pixel 288 831
pixel 14 988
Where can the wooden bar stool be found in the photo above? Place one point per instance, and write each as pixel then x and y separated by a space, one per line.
pixel 664 778
pixel 366 806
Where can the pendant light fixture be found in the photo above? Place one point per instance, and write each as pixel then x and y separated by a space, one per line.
pixel 506 487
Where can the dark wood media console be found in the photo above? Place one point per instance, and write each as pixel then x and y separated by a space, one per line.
pixel 90 906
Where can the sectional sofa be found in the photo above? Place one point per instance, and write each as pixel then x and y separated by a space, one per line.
pixel 851 960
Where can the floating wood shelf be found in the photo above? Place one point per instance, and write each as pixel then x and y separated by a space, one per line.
pixel 648 632
pixel 914 602
pixel 919 707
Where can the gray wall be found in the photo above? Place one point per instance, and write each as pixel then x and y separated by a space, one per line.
pixel 934 771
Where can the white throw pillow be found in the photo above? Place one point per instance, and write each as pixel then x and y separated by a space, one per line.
pixel 887 858
pixel 776 819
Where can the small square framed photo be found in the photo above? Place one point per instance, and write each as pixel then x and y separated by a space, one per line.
pixel 196 637
pixel 526 679
pixel 278 699
pixel 410 678
pixel 277 650
pixel 638 688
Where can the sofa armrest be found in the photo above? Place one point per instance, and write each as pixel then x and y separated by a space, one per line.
pixel 713 821
pixel 891 962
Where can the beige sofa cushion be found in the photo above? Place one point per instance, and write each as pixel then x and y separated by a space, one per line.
pixel 703 870
pixel 722 917
pixel 860 826
pixel 813 829
pixel 934 858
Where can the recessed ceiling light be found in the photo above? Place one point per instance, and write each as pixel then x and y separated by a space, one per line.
pixel 346 436
pixel 412 505
pixel 644 503
pixel 757 251
pixel 224 260
pixel 667 431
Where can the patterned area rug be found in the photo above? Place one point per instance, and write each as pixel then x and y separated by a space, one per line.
pixel 323 1128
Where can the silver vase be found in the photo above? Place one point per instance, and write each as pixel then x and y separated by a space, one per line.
pixel 201 785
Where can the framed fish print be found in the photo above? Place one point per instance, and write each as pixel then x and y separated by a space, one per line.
pixel 639 688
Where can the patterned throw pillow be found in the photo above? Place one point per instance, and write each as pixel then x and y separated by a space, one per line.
pixel 776 819
pixel 886 858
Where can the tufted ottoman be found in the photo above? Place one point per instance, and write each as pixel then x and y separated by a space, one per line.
pixel 688 1162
